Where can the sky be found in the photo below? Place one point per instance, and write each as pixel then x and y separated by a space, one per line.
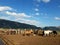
pixel 40 13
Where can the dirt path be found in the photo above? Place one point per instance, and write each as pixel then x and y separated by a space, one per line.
pixel 33 40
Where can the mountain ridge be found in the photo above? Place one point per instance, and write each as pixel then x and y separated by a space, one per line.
pixel 15 25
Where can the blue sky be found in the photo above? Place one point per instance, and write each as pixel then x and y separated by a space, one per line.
pixel 35 12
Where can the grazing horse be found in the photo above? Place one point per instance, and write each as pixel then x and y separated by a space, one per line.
pixel 47 32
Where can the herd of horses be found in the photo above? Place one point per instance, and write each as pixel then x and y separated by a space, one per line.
pixel 40 32
pixel 30 32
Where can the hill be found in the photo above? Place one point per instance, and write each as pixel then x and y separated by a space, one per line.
pixel 51 28
pixel 15 25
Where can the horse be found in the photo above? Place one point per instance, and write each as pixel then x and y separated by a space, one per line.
pixel 28 32
pixel 47 32
pixel 55 33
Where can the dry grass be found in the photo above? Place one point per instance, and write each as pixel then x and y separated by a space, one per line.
pixel 33 40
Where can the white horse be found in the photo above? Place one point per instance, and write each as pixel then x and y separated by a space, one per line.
pixel 47 32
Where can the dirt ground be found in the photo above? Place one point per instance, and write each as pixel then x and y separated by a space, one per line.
pixel 33 40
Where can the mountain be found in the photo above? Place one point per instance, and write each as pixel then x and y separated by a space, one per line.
pixel 16 25
pixel 51 28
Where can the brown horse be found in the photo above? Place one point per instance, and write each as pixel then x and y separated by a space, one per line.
pixel 28 32
pixel 38 32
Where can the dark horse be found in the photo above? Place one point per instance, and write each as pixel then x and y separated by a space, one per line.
pixel 55 33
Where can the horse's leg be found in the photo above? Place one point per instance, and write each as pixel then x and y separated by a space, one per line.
pixel 54 34
pixel 45 34
pixel 49 34
pixel 42 34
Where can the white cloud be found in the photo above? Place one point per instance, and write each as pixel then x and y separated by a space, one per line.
pixel 4 8
pixel 46 1
pixel 43 15
pixel 57 18
pixel 20 17
pixel 3 17
pixel 36 9
pixel 17 14
pixel 28 21
pixel 37 13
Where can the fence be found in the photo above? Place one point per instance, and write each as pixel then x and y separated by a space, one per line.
pixel 6 41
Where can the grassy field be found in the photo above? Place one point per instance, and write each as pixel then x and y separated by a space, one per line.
pixel 32 40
